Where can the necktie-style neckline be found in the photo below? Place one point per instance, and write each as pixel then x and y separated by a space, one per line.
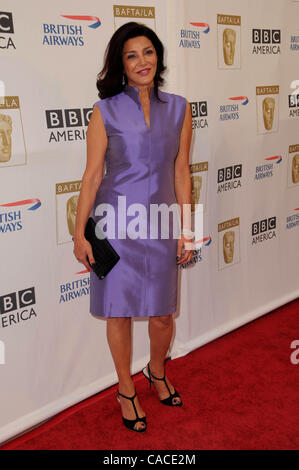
pixel 133 92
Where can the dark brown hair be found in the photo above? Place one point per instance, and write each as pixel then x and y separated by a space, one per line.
pixel 109 79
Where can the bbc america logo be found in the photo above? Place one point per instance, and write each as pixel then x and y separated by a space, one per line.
pixel 6 23
pixel 57 118
pixel 263 230
pixel 67 125
pixel 6 30
pixel 229 178
pixel 17 306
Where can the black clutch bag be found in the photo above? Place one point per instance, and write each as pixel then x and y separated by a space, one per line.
pixel 103 252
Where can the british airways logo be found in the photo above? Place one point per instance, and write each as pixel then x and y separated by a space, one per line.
pixel 73 290
pixel 243 99
pixel 85 18
pixel 275 159
pixel 267 170
pixel 292 220
pixel 197 254
pixel 68 34
pixel 202 25
pixel 230 112
pixel 11 220
pixel 190 38
pixel 25 202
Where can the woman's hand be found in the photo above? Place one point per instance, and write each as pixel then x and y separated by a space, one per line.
pixel 184 244
pixel 82 250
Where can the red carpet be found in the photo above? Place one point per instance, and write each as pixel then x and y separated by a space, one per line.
pixel 239 392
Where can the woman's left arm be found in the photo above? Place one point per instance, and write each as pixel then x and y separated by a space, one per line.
pixel 182 181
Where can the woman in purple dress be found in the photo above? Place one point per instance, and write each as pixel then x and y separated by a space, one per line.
pixel 143 135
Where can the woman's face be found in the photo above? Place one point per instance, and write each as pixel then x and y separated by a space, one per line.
pixel 139 61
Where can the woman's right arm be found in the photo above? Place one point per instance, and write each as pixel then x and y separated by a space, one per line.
pixel 96 140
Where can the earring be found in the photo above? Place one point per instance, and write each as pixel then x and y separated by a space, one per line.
pixel 123 80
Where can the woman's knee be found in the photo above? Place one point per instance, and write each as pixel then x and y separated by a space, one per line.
pixel 162 321
pixel 118 322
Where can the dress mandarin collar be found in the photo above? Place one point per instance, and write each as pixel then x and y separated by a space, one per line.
pixel 133 92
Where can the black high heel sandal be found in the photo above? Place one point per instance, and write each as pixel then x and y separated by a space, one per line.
pixel 168 400
pixel 130 423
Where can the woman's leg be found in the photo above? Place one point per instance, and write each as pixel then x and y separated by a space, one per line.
pixel 160 330
pixel 119 340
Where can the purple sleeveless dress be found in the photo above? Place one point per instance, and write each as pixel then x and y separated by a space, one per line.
pixel 139 166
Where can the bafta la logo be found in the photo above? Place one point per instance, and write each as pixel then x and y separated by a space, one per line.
pixel 267 108
pixel 199 172
pixel 293 165
pixel 71 212
pixel 12 145
pixel 295 169
pixel 145 14
pixel 67 195
pixel 228 29
pixel 228 242
pixel 228 246
pixel 196 187
pixel 5 137
pixel 229 45
pixel 268 112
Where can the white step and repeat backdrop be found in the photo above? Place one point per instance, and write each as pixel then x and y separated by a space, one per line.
pixel 237 64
